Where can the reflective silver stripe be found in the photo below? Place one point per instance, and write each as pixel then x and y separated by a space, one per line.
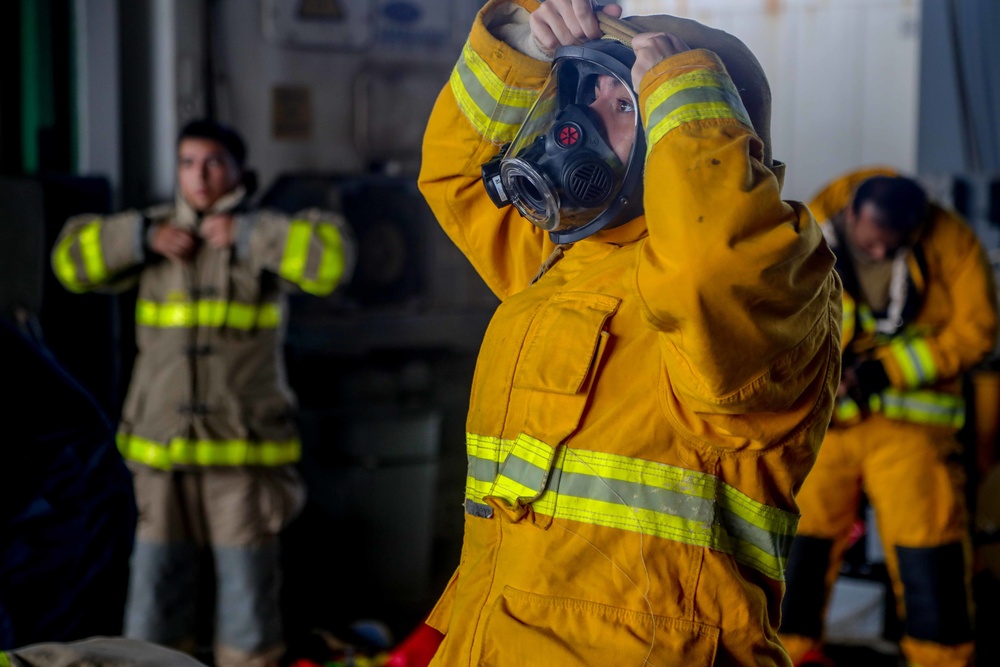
pixel 697 95
pixel 635 495
pixel 915 361
pixel 921 407
pixel 494 109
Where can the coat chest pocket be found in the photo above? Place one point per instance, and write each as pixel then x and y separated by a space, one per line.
pixel 550 387
pixel 563 348
pixel 559 362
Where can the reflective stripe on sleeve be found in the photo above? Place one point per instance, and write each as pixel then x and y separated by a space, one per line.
pixel 915 361
pixel 698 95
pixel 921 407
pixel 206 313
pixel 331 264
pixel 632 494
pixel 293 260
pixel 182 451
pixel 494 109
pixel 847 410
pixel 91 270
pixel 866 319
pixel 65 268
pixel 90 250
pixel 319 277
pixel 849 313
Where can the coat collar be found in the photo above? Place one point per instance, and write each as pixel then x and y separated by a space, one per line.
pixel 186 216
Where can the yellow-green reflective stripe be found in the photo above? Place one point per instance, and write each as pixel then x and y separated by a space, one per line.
pixel 207 313
pixel 89 239
pixel 866 319
pixel 690 114
pixel 847 409
pixel 64 267
pixel 331 266
pixel 90 250
pixel 670 502
pixel 483 454
pixel 293 261
pixel 4 659
pixel 847 317
pixel 915 360
pixel 494 109
pixel 697 95
pixel 921 407
pixel 524 471
pixel 849 311
pixel 181 451
pixel 213 313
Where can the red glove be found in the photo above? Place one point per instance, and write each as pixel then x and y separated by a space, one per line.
pixel 417 649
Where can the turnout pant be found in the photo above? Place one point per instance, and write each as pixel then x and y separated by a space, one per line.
pixel 916 486
pixel 236 514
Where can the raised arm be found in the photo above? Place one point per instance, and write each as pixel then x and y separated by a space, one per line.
pixel 491 90
pixel 98 253
pixel 739 282
pixel 313 251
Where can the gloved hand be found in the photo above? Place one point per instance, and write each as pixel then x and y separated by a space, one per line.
pixel 871 377
pixel 417 649
pixel 860 380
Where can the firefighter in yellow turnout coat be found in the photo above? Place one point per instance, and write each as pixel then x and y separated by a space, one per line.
pixel 919 310
pixel 208 424
pixel 643 414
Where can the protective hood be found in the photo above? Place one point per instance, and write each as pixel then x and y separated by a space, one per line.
pixel 743 67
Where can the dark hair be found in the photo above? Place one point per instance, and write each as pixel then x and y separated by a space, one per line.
pixel 901 201
pixel 225 135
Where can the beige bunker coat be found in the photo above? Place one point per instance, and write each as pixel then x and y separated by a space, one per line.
pixel 208 386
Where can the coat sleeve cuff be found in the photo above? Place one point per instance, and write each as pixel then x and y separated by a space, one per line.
pixel 515 68
pixel 688 87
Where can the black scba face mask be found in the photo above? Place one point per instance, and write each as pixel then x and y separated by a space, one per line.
pixel 562 171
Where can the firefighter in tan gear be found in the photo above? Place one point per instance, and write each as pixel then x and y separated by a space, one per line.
pixel 207 426
pixel 919 310
pixel 654 385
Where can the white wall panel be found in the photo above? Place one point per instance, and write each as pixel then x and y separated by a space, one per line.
pixel 417 39
pixel 843 73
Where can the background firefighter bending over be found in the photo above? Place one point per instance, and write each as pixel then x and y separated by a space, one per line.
pixel 919 311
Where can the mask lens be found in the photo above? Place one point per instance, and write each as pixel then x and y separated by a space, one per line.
pixel 531 193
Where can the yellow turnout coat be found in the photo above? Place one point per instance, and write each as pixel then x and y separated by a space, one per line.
pixel 642 416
